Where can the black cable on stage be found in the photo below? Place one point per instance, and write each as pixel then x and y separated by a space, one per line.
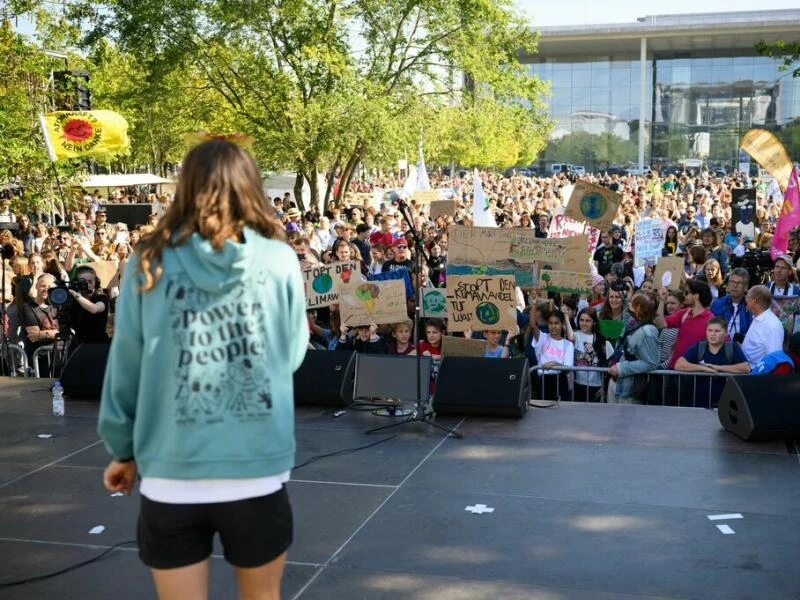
pixel 341 452
pixel 66 569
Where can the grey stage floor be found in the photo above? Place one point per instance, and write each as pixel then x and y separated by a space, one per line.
pixel 590 501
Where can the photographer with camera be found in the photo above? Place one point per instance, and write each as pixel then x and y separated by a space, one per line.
pixel 39 319
pixel 89 310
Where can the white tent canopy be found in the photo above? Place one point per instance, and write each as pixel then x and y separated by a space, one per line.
pixel 122 180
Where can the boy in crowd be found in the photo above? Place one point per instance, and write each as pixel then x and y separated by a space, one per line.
pixel 713 355
pixel 366 340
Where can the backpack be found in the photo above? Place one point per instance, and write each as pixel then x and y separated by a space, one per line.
pixel 727 347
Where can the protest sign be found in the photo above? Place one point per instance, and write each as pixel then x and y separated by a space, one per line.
pixel 526 247
pixel 434 303
pixel 443 208
pixel 593 203
pixel 457 346
pixel 106 271
pixel 485 251
pixel 649 242
pixel 669 272
pixel 566 282
pixel 363 303
pixel 425 196
pixel 477 245
pixel 562 226
pixel 323 282
pixel 480 302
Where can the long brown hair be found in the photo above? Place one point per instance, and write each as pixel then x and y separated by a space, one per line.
pixel 219 192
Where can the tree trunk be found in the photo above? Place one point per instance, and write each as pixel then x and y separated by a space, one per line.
pixel 313 183
pixel 349 169
pixel 298 190
pixel 331 178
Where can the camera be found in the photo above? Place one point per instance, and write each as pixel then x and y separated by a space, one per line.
pixel 619 284
pixel 757 262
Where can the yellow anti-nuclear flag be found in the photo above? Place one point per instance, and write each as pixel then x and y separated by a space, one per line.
pixel 82 133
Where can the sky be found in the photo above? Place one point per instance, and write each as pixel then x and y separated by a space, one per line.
pixel 581 12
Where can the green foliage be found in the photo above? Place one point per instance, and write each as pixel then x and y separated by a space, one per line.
pixel 582 148
pixel 328 83
pixel 24 72
pixel 787 52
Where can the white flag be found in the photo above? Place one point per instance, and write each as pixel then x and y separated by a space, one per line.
pixel 481 215
pixel 774 190
pixel 410 185
pixel 423 183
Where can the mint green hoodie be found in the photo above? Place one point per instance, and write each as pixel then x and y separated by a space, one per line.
pixel 199 377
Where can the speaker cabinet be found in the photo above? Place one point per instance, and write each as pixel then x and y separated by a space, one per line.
pixel 497 387
pixel 392 376
pixel 761 407
pixel 84 370
pixel 325 379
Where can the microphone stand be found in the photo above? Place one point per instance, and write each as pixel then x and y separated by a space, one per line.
pixel 420 413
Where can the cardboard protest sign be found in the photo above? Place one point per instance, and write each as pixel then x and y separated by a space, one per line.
pixel 323 282
pixel 106 270
pixel 649 241
pixel 485 251
pixel 669 272
pixel 434 303
pixel 363 303
pixel 480 302
pixel 566 282
pixel 446 208
pixel 526 247
pixel 457 346
pixel 426 196
pixel 593 203
pixel 562 226
pixel 576 258
pixel 477 245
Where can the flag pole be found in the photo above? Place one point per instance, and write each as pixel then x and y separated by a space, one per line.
pixel 52 154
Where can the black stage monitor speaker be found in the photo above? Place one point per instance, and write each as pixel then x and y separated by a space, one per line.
pixel 325 378
pixel 392 376
pixel 130 214
pixel 84 370
pixel 483 386
pixel 760 407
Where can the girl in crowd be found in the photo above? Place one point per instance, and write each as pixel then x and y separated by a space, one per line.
pixel 673 302
pixel 637 351
pixel 712 274
pixel 614 309
pixel 670 241
pixel 589 352
pixel 553 349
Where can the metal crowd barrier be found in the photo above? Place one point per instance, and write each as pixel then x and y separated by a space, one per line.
pixel 665 387
pixel 16 359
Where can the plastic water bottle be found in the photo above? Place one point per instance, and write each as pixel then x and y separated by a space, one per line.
pixel 58 399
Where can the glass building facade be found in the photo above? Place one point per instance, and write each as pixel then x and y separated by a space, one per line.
pixel 698 104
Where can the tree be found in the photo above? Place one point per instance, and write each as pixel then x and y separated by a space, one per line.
pixel 590 150
pixel 787 52
pixel 324 84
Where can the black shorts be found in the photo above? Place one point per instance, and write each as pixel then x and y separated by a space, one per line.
pixel 253 531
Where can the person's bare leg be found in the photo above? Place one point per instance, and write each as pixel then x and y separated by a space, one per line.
pixel 183 583
pixel 261 583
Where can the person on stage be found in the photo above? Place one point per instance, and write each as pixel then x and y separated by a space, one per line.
pixel 198 397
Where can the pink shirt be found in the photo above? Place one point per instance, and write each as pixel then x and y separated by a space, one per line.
pixel 691 329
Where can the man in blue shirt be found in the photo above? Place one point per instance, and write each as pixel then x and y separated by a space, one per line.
pixel 732 306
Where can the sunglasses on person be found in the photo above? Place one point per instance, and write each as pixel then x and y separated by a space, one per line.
pixel 401 247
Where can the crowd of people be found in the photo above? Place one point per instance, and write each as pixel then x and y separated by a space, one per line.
pixel 628 325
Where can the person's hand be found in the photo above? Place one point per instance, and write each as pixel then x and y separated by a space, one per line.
pixel 119 477
pixel 426 353
pixel 373 329
pixel 613 371
pixel 344 330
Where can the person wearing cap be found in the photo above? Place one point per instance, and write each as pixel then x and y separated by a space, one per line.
pixel 89 310
pixel 783 276
pixel 293 223
pixel 401 258
pixel 599 290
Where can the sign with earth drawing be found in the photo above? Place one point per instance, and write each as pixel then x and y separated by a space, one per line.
pixel 594 204
pixel 434 303
pixel 323 282
pixel 480 302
